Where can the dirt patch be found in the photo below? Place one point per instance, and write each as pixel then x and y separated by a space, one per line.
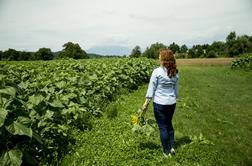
pixel 205 61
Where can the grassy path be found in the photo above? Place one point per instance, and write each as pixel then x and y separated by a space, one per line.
pixel 212 125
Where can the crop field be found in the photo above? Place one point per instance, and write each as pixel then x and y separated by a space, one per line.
pixel 69 112
pixel 42 102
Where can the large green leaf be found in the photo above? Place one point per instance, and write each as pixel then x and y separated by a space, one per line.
pixel 11 158
pixel 35 100
pixel 24 120
pixel 48 115
pixel 3 114
pixel 9 91
pixel 2 77
pixel 60 84
pixel 6 102
pixel 17 128
pixel 23 85
pixel 93 77
pixel 57 103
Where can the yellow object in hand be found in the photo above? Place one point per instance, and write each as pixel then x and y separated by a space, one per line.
pixel 135 120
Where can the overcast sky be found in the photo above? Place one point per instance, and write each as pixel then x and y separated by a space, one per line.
pixel 32 24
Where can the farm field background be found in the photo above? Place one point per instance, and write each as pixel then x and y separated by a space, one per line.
pixel 65 102
pixel 212 124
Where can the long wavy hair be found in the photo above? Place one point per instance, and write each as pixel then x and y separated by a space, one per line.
pixel 168 61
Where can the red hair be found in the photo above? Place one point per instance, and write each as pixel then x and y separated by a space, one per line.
pixel 168 60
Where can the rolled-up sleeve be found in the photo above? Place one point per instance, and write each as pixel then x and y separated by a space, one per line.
pixel 152 86
pixel 176 86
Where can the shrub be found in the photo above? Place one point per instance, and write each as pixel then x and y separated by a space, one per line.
pixel 211 54
pixel 244 62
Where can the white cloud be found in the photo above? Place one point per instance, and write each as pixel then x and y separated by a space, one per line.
pixel 29 24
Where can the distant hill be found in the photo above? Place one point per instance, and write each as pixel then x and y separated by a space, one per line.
pixel 92 55
pixel 110 50
pixel 56 54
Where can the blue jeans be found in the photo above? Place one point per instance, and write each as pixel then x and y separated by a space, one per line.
pixel 163 115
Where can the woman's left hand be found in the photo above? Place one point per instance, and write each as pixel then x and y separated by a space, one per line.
pixel 146 103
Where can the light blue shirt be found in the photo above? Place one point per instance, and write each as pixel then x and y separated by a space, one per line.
pixel 162 89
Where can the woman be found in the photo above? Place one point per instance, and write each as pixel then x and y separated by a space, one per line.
pixel 163 90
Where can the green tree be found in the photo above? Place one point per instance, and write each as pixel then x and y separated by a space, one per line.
pixel 136 52
pixel 250 39
pixel 23 55
pixel 153 50
pixel 72 50
pixel 1 53
pixel 211 54
pixel 238 45
pixel 244 45
pixel 198 51
pixel 43 54
pixel 174 47
pixel 10 55
pixel 191 53
pixel 218 47
pixel 231 36
pixel 183 48
pixel 232 45
pixel 205 46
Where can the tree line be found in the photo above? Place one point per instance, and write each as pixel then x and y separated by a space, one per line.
pixel 70 50
pixel 233 46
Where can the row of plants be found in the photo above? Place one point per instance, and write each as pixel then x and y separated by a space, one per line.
pixel 42 102
pixel 243 62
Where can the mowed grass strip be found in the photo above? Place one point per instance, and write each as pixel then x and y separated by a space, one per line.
pixel 205 61
pixel 212 124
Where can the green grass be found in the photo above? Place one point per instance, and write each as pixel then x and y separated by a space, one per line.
pixel 212 124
